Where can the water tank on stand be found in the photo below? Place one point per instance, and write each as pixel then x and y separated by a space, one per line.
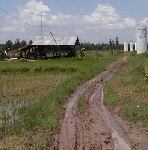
pixel 135 46
pixel 141 39
pixel 131 46
pixel 125 47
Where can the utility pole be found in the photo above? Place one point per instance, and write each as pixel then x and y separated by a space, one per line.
pixel 41 14
pixel 41 24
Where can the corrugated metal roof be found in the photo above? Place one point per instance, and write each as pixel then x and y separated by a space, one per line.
pixel 60 40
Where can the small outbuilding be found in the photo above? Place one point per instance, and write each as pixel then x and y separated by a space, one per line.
pixel 45 46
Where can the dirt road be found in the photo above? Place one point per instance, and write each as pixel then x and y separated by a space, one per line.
pixel 98 129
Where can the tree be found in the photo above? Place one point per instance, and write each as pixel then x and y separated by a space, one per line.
pixel 77 41
pixel 30 42
pixel 111 44
pixel 117 43
pixel 8 45
pixel 1 48
pixel 23 43
pixel 17 44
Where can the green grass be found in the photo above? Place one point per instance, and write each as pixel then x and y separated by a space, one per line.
pixel 15 87
pixel 47 112
pixel 127 90
pixel 82 105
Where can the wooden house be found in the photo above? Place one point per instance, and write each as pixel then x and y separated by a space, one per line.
pixel 57 46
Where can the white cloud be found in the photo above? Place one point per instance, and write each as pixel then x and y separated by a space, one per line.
pixel 104 18
pixel 13 29
pixel 144 21
pixel 103 13
pixel 31 13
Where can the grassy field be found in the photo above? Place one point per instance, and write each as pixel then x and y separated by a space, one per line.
pixel 49 81
pixel 127 92
pixel 28 86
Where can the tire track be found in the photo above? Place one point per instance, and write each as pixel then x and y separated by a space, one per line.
pixel 98 129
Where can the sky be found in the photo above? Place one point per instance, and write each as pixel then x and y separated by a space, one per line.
pixel 93 21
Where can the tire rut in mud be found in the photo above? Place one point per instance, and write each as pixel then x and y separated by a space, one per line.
pixel 97 129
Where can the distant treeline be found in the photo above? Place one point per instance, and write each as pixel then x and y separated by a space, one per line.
pixel 10 46
pixel 111 45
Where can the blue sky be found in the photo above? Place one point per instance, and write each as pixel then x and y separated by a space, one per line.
pixel 92 20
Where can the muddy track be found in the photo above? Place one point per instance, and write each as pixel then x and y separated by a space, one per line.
pixel 98 129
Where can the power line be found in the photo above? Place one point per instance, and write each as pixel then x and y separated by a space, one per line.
pixel 7 13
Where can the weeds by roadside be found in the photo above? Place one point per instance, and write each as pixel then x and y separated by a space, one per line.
pixel 126 93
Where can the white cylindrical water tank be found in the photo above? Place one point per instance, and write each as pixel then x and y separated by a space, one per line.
pixel 141 39
pixel 131 46
pixel 125 47
pixel 135 46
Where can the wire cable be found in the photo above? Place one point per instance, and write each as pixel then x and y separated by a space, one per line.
pixel 7 13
